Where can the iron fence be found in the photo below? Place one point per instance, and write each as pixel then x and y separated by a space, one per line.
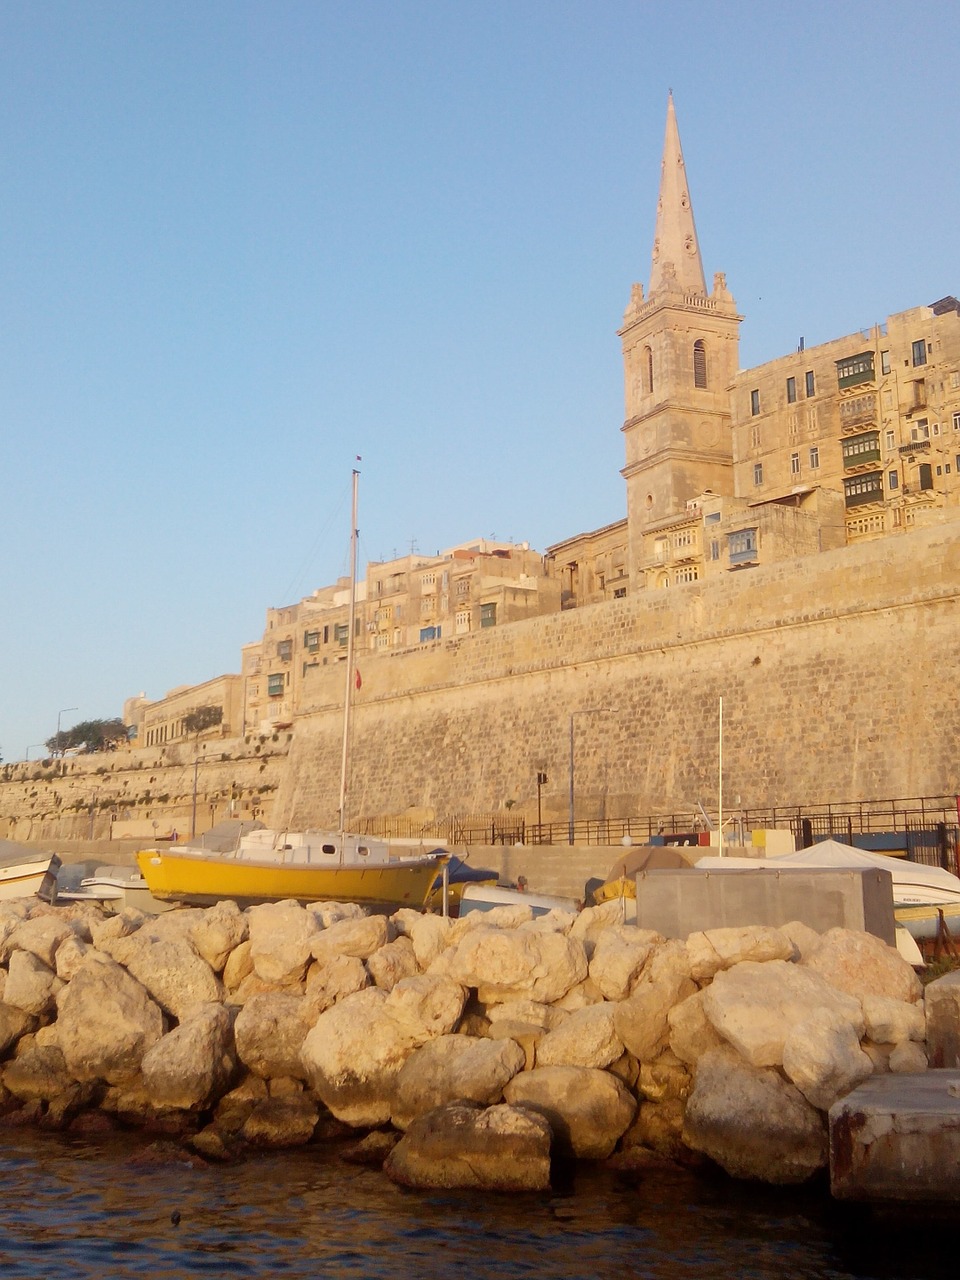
pixel 925 828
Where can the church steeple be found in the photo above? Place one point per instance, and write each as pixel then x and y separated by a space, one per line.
pixel 676 251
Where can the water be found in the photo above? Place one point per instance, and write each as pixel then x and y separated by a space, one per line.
pixel 106 1209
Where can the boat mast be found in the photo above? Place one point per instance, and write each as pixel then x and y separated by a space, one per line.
pixel 348 691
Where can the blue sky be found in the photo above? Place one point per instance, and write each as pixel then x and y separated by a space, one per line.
pixel 242 242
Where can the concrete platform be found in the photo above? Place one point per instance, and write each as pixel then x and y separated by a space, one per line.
pixel 896 1138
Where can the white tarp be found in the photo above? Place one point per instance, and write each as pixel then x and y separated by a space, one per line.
pixel 913 883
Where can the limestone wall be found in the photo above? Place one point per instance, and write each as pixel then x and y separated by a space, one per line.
pixel 839 676
pixel 141 794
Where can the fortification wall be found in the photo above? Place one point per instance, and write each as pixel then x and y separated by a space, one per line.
pixel 839 676
pixel 142 794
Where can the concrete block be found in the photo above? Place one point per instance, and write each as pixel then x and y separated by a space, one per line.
pixel 678 903
pixel 941 1002
pixel 897 1138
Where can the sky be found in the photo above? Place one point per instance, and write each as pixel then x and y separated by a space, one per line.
pixel 243 242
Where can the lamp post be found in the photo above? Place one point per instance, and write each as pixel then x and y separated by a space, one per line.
pixel 63 712
pixel 586 711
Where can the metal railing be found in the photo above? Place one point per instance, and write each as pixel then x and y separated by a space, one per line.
pixel 929 827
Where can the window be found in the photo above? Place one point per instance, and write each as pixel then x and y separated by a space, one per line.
pixel 341 633
pixel 284 650
pixel 865 488
pixel 794 464
pixel 920 431
pixel 648 363
pixel 893 480
pixel 462 621
pixel 619 593
pixel 714 549
pixel 754 437
pixel 814 457
pixel 958 461
pixel 758 473
pixel 488 615
pixel 855 369
pixel 429 633
pixel 891 439
pixel 311 641
pixel 919 352
pixel 926 475
pixel 688 573
pixel 862 448
pixel 809 384
pixel 699 364
pixel 956 422
pixel 791 391
pixel 742 545
pixel 884 361
pixel 755 402
pixel 275 684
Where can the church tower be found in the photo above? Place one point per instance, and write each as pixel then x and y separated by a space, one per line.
pixel 680 355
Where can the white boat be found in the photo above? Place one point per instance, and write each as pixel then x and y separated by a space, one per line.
pixel 115 887
pixel 484 897
pixel 920 893
pixel 25 872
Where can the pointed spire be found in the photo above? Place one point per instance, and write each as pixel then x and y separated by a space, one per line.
pixel 676 251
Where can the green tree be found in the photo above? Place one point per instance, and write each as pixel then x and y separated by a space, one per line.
pixel 93 735
pixel 202 718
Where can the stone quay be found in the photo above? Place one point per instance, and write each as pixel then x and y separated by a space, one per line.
pixel 476 1052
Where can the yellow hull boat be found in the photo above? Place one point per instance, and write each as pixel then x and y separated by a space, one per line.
pixel 305 872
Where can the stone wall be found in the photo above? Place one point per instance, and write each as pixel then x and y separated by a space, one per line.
pixel 142 794
pixel 839 676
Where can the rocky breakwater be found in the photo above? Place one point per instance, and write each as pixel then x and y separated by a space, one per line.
pixel 465 1053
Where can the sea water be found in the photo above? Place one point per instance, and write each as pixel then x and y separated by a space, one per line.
pixel 125 1207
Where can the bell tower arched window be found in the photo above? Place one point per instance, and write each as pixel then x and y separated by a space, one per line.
pixel 699 363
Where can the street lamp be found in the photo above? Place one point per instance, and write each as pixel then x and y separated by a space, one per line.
pixel 59 714
pixel 586 711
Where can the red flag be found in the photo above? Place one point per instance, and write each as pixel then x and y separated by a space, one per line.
pixel 358 680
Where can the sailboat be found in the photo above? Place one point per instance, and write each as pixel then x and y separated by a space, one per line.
pixel 264 865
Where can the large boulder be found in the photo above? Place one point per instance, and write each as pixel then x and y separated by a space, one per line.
pixel 287 1121
pixel 41 936
pixel 327 983
pixel 642 1019
pixel 426 1006
pixel 353 1055
pixel 756 1006
pixel 462 1144
pixel 177 978
pixel 14 1023
pixel 863 965
pixel 503 964
pixel 752 1122
pixel 585 1038
pixel 588 1110
pixel 31 984
pixel 218 932
pixel 392 962
pixel 691 1033
pixel 37 1074
pixel 359 938
pixel 281 938
pixel 270 1030
pixel 454 1067
pixel 619 954
pixel 106 1022
pixel 890 1021
pixel 714 950
pixel 192 1065
pixel 823 1058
